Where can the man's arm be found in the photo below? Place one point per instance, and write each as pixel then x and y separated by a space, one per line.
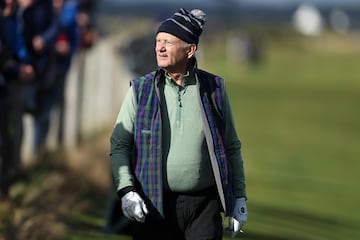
pixel 238 218
pixel 121 143
pixel 233 150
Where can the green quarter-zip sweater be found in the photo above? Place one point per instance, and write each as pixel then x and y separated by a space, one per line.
pixel 185 151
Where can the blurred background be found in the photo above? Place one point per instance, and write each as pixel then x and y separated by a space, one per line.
pixel 292 75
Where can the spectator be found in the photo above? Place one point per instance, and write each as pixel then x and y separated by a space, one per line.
pixel 40 29
pixel 66 45
pixel 15 72
pixel 88 33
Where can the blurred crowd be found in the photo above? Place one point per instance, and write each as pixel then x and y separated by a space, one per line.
pixel 38 40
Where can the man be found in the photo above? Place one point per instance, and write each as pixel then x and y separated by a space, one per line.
pixel 175 153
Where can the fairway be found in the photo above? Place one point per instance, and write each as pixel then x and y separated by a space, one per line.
pixel 298 117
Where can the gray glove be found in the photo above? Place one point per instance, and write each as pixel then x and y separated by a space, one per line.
pixel 239 217
pixel 133 206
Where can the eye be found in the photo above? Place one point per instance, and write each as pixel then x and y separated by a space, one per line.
pixel 169 43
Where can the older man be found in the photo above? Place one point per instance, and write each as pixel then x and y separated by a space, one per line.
pixel 175 153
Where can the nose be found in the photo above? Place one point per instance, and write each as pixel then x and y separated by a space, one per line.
pixel 160 47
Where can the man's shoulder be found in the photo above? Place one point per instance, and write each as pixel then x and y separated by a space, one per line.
pixel 210 79
pixel 144 79
pixel 204 73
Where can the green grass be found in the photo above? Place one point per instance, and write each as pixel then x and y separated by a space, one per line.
pixel 298 117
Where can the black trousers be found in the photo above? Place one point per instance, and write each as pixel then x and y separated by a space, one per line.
pixel 186 217
pixel 11 133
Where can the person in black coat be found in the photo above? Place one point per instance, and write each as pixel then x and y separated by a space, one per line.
pixel 15 73
pixel 40 30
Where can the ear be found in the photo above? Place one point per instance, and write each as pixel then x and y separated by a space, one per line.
pixel 191 50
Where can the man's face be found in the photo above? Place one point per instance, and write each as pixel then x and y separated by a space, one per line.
pixel 171 52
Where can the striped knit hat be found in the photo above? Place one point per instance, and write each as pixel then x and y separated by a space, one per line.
pixel 185 25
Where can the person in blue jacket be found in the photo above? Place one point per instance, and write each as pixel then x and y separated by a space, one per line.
pixel 15 71
pixel 40 29
pixel 66 45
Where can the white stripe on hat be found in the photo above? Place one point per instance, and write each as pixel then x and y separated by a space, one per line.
pixel 182 26
pixel 188 17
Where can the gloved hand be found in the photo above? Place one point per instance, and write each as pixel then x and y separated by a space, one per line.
pixel 133 206
pixel 239 217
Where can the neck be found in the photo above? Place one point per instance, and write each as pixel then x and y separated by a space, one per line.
pixel 177 73
pixel 177 77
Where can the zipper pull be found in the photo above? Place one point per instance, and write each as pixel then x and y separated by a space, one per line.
pixel 179 98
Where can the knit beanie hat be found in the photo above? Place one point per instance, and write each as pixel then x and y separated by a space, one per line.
pixel 185 25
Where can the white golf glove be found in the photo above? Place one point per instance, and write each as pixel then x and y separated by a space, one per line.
pixel 133 206
pixel 239 217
